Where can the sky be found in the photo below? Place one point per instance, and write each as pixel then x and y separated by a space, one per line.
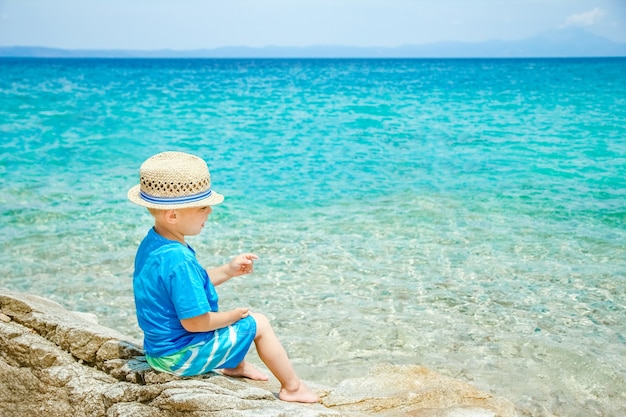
pixel 208 24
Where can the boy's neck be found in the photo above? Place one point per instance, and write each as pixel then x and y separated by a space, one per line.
pixel 169 234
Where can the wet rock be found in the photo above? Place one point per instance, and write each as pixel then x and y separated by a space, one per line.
pixel 414 391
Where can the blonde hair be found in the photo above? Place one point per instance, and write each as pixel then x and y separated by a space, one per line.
pixel 155 212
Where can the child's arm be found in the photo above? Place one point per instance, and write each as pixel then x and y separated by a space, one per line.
pixel 239 265
pixel 214 320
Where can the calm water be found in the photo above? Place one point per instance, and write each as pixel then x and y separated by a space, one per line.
pixel 467 215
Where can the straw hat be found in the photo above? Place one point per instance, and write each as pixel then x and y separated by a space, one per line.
pixel 173 180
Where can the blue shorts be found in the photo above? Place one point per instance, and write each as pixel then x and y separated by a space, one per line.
pixel 223 348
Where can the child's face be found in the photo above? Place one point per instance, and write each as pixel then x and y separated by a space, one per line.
pixel 190 221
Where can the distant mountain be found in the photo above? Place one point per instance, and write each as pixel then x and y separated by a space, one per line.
pixel 570 42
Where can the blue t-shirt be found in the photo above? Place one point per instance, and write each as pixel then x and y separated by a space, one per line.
pixel 169 285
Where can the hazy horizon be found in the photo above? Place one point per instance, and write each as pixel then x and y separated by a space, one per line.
pixel 194 24
pixel 560 43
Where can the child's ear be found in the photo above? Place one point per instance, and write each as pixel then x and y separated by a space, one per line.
pixel 170 216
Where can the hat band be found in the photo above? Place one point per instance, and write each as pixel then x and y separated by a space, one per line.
pixel 175 200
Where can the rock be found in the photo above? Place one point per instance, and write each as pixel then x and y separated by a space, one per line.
pixel 54 362
pixel 414 391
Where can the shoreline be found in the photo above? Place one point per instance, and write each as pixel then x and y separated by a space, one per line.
pixel 81 367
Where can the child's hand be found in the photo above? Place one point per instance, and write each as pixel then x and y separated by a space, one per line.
pixel 241 312
pixel 242 264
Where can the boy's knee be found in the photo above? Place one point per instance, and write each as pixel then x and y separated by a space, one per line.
pixel 262 322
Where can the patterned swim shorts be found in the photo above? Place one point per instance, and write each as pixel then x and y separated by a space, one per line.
pixel 223 348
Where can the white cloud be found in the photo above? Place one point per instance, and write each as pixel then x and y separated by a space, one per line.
pixel 589 18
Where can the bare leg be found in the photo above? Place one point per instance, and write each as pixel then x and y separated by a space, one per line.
pixel 275 357
pixel 245 370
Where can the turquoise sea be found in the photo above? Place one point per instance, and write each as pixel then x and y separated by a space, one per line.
pixel 465 215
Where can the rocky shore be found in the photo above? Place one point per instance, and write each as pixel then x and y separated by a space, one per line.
pixel 55 362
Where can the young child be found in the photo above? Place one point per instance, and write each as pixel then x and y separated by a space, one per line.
pixel 177 306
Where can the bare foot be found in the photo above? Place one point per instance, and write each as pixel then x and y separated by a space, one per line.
pixel 300 395
pixel 245 370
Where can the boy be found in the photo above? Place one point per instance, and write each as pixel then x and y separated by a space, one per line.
pixel 177 305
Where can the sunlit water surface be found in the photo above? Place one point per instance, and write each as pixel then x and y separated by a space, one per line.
pixel 466 215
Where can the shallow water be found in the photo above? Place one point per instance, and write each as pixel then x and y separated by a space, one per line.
pixel 467 215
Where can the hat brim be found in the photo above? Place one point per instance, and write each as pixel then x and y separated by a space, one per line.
pixel 135 197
